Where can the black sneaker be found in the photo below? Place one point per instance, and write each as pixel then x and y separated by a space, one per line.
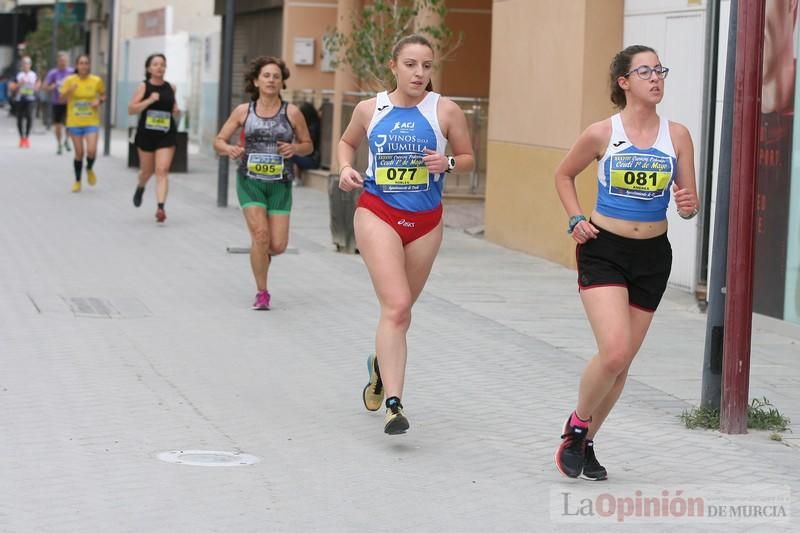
pixel 592 469
pixel 137 196
pixel 395 422
pixel 571 453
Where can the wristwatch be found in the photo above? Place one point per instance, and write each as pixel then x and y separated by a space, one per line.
pixel 451 163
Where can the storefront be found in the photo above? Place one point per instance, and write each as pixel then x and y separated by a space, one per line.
pixel 776 289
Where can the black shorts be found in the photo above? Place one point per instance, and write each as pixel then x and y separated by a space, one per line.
pixel 151 143
pixel 640 265
pixel 59 113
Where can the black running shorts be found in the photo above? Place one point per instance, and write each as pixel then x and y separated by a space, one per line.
pixel 59 113
pixel 640 265
pixel 152 142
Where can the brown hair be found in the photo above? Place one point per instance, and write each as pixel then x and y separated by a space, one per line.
pixel 621 65
pixel 412 39
pixel 255 69
pixel 149 60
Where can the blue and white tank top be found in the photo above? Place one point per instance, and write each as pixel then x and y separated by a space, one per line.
pixel 634 183
pixel 397 138
pixel 260 135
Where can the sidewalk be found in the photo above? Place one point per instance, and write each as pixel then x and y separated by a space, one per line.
pixel 121 339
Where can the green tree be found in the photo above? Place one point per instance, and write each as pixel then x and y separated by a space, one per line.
pixel 376 27
pixel 39 43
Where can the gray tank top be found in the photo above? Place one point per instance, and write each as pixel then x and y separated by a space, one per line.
pixel 260 136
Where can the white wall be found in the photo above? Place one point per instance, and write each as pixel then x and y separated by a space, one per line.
pixel 676 30
pixel 134 52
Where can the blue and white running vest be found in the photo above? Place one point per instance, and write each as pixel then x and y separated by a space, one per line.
pixel 634 183
pixel 397 138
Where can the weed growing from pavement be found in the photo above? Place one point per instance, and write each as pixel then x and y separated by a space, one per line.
pixel 761 414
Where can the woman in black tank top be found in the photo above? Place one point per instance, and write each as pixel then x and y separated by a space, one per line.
pixel 154 102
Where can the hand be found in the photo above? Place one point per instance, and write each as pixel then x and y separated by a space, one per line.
pixel 234 151
pixel 685 201
pixel 436 162
pixel 286 149
pixel 95 103
pixel 154 97
pixel 350 179
pixel 583 231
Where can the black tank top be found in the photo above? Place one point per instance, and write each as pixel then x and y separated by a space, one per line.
pixel 157 119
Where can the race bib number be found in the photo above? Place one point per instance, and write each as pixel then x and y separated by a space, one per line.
pixel 401 172
pixel 268 167
pixel 26 91
pixel 640 176
pixel 82 108
pixel 157 120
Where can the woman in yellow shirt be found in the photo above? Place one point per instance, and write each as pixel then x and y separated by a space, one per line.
pixel 84 93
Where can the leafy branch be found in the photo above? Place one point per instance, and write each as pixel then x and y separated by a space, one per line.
pixel 377 27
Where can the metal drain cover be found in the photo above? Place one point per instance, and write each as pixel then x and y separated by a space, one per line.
pixel 207 458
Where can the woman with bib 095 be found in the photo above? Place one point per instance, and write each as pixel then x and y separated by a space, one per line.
pixel 156 131
pixel 84 93
pixel 623 254
pixel 272 132
pixel 398 220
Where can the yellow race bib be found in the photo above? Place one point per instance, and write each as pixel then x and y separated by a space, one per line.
pixel 404 172
pixel 267 167
pixel 157 120
pixel 642 176
pixel 82 108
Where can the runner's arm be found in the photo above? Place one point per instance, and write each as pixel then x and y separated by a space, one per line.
pixel 457 135
pixel 137 104
pixel 234 122
pixel 303 144
pixel 589 147
pixel 685 187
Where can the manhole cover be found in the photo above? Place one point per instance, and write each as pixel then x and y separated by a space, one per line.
pixel 207 458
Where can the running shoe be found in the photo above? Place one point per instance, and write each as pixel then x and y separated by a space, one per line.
pixel 161 215
pixel 592 469
pixel 91 177
pixel 395 422
pixel 76 186
pixel 571 454
pixel 27 142
pixel 262 301
pixel 373 391
pixel 58 151
pixel 66 145
pixel 22 142
pixel 137 196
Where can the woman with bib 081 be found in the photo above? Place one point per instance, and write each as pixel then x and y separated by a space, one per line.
pixel 272 132
pixel 84 93
pixel 623 254
pixel 398 221
pixel 156 131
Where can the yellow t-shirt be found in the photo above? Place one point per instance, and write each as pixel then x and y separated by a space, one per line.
pixel 79 104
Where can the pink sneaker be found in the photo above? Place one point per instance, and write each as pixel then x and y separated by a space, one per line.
pixel 262 301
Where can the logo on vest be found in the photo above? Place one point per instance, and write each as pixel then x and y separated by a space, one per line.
pixel 618 144
pixel 403 126
pixel 406 224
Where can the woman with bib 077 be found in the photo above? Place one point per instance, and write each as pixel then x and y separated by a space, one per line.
pixel 623 254
pixel 398 220
pixel 272 132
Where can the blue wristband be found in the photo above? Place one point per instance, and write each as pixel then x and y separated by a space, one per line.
pixel 573 221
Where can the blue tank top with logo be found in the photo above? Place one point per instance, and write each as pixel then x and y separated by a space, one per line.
pixel 634 183
pixel 397 139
